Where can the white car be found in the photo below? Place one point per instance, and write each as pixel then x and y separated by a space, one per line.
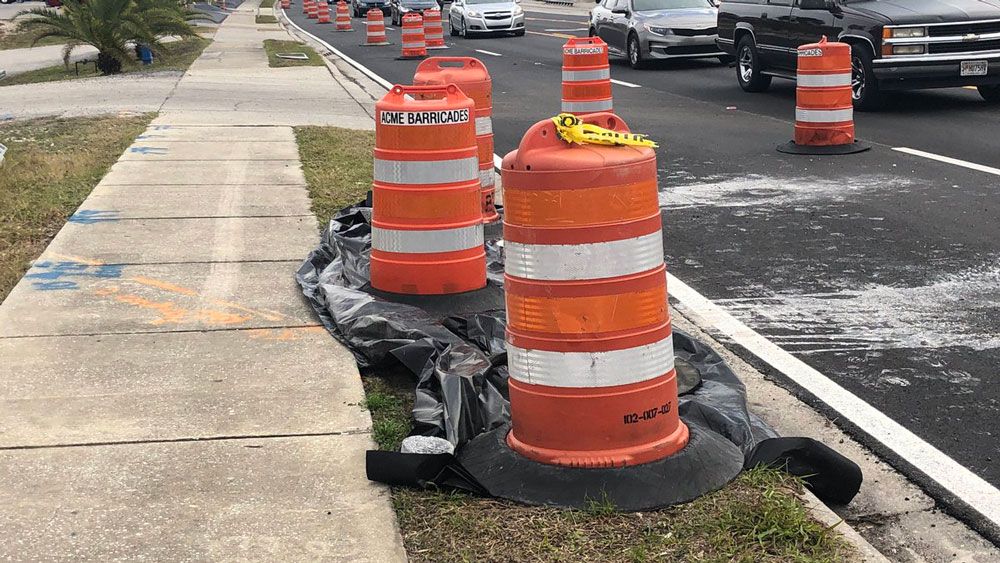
pixel 485 16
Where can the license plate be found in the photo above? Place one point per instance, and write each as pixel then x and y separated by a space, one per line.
pixel 974 68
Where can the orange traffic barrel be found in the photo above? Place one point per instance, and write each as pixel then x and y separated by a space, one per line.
pixel 427 222
pixel 471 76
pixel 286 4
pixel 375 28
pixel 433 29
pixel 322 12
pixel 824 108
pixel 414 46
pixel 586 76
pixel 313 10
pixel 589 347
pixel 343 17
pixel 305 6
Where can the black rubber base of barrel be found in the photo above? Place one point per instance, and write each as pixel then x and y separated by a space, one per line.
pixel 417 58
pixel 707 463
pixel 791 148
pixel 490 298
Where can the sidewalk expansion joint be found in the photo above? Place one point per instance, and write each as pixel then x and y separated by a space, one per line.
pixel 350 432
pixel 179 331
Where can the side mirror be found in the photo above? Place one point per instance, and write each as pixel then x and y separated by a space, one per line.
pixel 622 11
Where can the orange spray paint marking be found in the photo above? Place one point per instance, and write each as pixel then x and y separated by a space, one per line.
pixel 165 286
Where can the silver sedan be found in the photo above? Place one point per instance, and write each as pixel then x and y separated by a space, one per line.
pixel 644 30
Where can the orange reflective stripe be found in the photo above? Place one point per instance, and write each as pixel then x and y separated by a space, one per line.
pixel 427 205
pixel 613 313
pixel 595 205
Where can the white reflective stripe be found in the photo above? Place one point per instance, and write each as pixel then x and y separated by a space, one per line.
pixel 421 242
pixel 484 125
pixel 591 369
pixel 414 45
pixel 824 115
pixel 486 178
pixel 596 105
pixel 426 172
pixel 584 261
pixel 824 80
pixel 582 75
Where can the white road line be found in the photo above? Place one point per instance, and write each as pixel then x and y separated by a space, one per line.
pixel 571 29
pixel 949 160
pixel 946 472
pixel 626 84
pixel 488 53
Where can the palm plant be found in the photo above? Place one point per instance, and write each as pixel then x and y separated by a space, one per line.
pixel 111 26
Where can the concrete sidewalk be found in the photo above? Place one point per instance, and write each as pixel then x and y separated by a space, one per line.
pixel 167 394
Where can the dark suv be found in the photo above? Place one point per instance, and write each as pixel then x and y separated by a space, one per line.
pixel 895 45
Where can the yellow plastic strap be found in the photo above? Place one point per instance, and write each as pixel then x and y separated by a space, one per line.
pixel 573 130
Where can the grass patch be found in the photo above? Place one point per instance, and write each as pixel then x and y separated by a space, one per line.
pixel 757 518
pixel 274 46
pixel 267 3
pixel 390 402
pixel 177 56
pixel 50 167
pixel 11 39
pixel 266 19
pixel 338 167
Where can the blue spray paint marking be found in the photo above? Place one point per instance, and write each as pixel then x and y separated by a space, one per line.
pixel 91 216
pixel 51 275
pixel 160 127
pixel 148 150
pixel 145 136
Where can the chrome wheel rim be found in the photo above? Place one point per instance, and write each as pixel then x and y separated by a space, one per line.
pixel 633 51
pixel 857 78
pixel 746 64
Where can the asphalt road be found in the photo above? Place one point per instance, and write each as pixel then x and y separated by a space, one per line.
pixel 880 269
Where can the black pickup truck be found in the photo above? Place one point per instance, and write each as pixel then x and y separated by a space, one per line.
pixel 895 44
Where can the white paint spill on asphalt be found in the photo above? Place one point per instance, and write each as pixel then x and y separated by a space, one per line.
pixel 956 309
pixel 758 190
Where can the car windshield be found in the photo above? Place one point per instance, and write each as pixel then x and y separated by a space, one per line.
pixel 652 5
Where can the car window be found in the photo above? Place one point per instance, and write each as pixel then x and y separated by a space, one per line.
pixel 780 2
pixel 650 5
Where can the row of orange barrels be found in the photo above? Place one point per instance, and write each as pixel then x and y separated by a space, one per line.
pixel 589 339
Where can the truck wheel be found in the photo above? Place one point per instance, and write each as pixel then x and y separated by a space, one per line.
pixel 990 93
pixel 748 67
pixel 864 86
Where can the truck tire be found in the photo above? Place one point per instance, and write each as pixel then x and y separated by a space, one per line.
pixel 864 86
pixel 748 67
pixel 990 93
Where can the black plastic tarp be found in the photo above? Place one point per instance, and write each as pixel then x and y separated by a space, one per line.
pixel 459 361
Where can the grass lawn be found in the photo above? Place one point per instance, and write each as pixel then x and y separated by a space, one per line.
pixel 266 19
pixel 10 39
pixel 50 167
pixel 274 46
pixel 177 56
pixel 266 3
pixel 758 517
